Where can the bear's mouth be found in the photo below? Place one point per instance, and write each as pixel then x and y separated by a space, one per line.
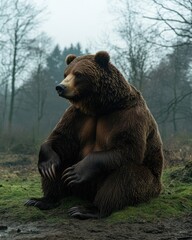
pixel 60 94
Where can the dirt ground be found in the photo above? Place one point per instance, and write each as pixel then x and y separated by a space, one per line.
pixel 171 229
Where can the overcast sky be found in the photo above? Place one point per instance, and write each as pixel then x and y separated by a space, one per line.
pixel 72 21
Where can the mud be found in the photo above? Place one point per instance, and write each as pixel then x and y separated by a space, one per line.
pixel 170 229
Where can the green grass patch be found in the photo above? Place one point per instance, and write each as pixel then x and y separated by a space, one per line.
pixel 15 192
pixel 175 200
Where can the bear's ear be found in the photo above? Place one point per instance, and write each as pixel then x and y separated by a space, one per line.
pixel 102 58
pixel 70 58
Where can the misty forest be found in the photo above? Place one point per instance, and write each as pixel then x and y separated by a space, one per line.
pixel 152 49
pixel 156 58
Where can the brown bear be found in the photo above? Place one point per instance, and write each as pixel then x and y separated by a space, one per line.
pixel 106 148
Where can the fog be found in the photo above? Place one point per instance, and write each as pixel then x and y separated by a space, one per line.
pixel 149 41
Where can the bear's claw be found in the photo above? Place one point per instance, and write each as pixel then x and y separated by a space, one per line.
pixel 49 173
pixel 30 202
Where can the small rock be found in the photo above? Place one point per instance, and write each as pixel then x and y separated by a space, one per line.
pixel 3 227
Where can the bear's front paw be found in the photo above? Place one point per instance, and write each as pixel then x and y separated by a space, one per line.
pixel 49 168
pixel 80 172
pixel 72 176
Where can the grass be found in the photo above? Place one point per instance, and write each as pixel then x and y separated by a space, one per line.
pixel 174 201
pixel 16 187
pixel 15 191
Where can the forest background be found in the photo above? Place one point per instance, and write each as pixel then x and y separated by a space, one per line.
pixel 153 50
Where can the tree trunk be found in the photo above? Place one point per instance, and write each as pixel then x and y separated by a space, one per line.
pixel 5 106
pixel 13 75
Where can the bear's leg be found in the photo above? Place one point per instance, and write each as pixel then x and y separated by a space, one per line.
pixel 85 191
pixel 50 168
pixel 129 185
pixel 53 191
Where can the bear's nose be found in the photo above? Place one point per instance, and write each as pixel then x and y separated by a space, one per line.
pixel 60 89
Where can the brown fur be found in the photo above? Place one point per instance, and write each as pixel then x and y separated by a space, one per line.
pixel 109 136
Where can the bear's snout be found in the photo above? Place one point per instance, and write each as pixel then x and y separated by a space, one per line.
pixel 61 89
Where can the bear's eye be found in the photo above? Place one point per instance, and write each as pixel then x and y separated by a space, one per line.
pixel 65 75
pixel 78 75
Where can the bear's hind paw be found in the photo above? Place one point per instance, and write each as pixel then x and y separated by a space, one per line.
pixel 83 213
pixel 41 203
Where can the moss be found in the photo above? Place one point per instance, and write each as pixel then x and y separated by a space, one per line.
pixel 16 188
pixel 14 191
pixel 183 174
pixel 174 201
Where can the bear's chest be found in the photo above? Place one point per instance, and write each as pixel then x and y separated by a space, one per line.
pixel 95 135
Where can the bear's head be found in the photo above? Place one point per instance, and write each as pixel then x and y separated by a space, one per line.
pixel 93 84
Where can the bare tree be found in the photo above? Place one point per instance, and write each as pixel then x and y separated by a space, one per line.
pixel 38 82
pixel 169 91
pixel 174 19
pixel 133 52
pixel 19 32
pixel 176 15
pixel 5 17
